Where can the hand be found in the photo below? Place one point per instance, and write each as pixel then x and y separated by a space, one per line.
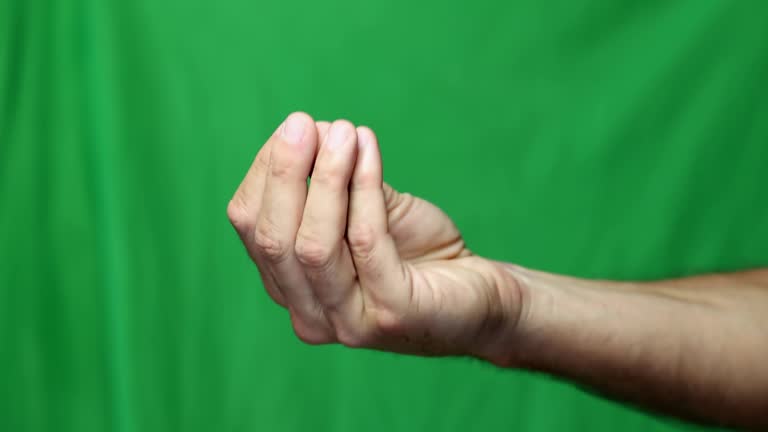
pixel 358 263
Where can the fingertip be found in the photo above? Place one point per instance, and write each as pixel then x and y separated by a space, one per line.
pixel 301 116
pixel 296 128
pixel 368 169
pixel 322 128
pixel 293 149
pixel 277 132
pixel 365 136
pixel 343 125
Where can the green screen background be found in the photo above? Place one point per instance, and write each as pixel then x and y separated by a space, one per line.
pixel 624 140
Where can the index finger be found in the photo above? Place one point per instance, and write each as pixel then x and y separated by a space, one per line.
pixel 243 209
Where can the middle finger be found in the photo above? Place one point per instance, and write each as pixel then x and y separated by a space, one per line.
pixel 320 244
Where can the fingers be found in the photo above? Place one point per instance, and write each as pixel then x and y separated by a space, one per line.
pixel 322 130
pixel 296 234
pixel 244 206
pixel 379 268
pixel 245 203
pixel 320 244
pixel 285 192
pixel 243 210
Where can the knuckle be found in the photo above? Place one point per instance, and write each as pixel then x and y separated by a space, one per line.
pixel 388 191
pixel 275 294
pixel 393 198
pixel 373 327
pixel 284 160
pixel 360 332
pixel 237 214
pixel 332 177
pixel 311 335
pixel 388 323
pixel 313 253
pixel 281 168
pixel 262 162
pixel 269 244
pixel 399 205
pixel 366 179
pixel 352 338
pixel 362 240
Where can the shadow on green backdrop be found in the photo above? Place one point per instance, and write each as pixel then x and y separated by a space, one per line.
pixel 623 140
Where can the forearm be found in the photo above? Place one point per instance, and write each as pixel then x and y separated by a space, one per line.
pixel 695 348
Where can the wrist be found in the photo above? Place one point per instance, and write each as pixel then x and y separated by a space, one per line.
pixel 502 344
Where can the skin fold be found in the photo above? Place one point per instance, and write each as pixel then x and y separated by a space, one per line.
pixel 357 263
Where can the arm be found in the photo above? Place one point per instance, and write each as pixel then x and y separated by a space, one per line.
pixel 695 348
pixel 355 262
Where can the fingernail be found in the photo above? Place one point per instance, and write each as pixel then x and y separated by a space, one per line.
pixel 294 128
pixel 364 138
pixel 337 135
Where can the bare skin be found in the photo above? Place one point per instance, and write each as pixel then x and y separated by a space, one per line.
pixel 356 262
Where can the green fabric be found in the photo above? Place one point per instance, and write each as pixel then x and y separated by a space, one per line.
pixel 623 140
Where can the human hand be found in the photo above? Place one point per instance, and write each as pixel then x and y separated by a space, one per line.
pixel 356 262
